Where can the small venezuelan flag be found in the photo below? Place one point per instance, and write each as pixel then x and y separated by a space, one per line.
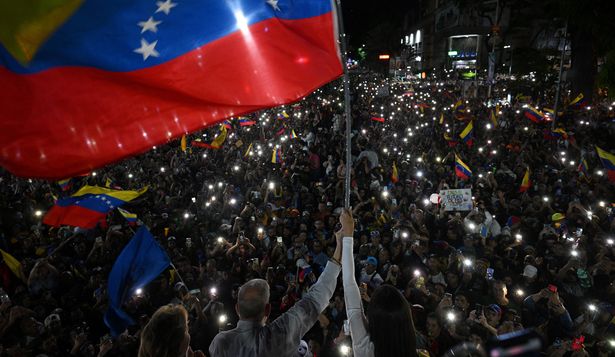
pixel 579 102
pixel 534 115
pixel 394 174
pixel 608 161
pixel 459 106
pixel 131 218
pixel 525 183
pixel 227 124
pixel 246 122
pixel 584 170
pixel 560 133
pixel 467 135
pixel 293 135
pixel 13 264
pixel 461 169
pixel 219 140
pixel 276 156
pixel 183 143
pixel 65 184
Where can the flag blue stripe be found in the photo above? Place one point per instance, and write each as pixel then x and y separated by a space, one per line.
pixel 463 170
pixel 140 262
pixel 607 164
pixel 92 202
pixel 104 33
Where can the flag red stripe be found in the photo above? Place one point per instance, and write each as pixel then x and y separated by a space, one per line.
pixel 73 216
pixel 69 120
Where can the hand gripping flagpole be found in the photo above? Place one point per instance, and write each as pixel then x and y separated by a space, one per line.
pixel 342 40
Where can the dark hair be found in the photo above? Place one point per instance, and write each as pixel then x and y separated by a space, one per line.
pixel 165 333
pixel 390 324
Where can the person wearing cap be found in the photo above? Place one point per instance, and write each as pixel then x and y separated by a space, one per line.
pixel 488 319
pixel 559 222
pixel 254 337
pixel 369 275
pixel 530 276
pixel 493 314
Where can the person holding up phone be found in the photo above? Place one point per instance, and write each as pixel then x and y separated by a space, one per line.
pixel 546 309
pixel 388 307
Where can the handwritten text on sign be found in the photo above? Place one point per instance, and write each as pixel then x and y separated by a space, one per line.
pixel 457 200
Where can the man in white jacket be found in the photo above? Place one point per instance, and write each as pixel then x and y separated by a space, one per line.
pixel 280 338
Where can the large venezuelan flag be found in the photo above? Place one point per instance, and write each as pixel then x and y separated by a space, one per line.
pixel 88 206
pixel 119 77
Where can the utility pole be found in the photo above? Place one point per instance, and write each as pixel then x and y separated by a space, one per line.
pixel 494 41
pixel 559 78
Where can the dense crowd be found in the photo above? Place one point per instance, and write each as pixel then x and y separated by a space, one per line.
pixel 542 259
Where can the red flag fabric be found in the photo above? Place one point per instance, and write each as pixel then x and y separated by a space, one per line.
pixel 102 88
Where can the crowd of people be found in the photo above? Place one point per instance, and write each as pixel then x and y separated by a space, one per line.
pixel 267 205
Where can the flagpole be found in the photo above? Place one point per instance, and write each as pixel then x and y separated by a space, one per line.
pixel 342 39
pixel 177 272
pixel 62 244
pixel 559 79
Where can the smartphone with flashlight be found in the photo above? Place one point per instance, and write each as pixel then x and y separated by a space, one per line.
pixel 420 282
pixel 490 272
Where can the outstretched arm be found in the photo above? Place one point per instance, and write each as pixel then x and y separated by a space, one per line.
pixel 352 295
pixel 296 322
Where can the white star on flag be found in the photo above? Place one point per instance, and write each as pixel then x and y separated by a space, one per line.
pixel 165 6
pixel 147 49
pixel 274 4
pixel 149 25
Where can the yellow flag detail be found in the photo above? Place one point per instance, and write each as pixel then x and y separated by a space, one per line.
pixel 219 140
pixel 184 145
pixel 13 264
pixel 26 24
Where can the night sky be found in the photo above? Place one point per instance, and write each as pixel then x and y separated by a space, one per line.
pixel 361 17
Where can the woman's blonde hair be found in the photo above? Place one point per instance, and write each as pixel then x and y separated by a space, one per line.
pixel 165 333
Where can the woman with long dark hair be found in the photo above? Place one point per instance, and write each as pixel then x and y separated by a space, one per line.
pixel 388 330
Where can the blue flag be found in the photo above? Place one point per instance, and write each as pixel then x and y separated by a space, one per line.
pixel 141 261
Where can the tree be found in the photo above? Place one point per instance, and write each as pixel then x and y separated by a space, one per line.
pixel 590 28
